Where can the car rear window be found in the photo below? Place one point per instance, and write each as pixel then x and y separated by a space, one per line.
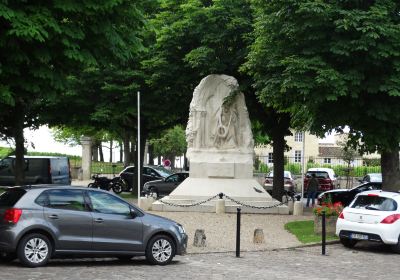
pixel 10 197
pixel 377 203
pixel 318 174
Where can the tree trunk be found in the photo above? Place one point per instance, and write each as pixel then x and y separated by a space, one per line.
pixel 121 151
pixel 95 152
pixel 278 144
pixel 151 155
pixel 19 151
pixel 185 163
pixel 280 129
pixel 159 160
pixel 101 151
pixel 133 148
pixel 390 170
pixel 111 150
pixel 127 151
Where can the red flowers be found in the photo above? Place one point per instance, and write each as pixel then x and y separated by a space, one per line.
pixel 330 209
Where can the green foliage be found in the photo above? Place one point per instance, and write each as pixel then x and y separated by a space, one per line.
pixel 337 62
pixel 295 168
pixel 172 143
pixel 4 152
pixel 304 231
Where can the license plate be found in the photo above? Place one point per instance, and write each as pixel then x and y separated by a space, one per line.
pixel 359 236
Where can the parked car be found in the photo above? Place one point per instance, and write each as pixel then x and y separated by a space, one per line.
pixel 38 170
pixel 372 216
pixel 289 183
pixel 164 186
pixel 150 173
pixel 372 177
pixel 42 222
pixel 326 177
pixel 345 196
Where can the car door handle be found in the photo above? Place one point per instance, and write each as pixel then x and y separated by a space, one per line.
pixel 53 216
pixel 99 220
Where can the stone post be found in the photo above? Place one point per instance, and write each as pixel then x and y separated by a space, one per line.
pixel 86 143
pixel 298 208
pixel 220 206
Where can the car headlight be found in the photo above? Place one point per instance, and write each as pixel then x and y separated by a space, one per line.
pixel 181 229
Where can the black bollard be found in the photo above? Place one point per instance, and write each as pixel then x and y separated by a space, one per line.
pixel 323 233
pixel 238 233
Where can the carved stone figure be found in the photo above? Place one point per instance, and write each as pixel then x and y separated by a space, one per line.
pixel 213 122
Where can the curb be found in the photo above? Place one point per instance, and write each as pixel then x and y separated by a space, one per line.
pixel 331 242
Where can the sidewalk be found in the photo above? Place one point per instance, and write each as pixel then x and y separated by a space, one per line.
pixel 220 229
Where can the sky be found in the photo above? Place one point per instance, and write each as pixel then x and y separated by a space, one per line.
pixel 43 141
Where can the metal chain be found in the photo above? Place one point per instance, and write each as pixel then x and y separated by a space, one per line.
pixel 190 205
pixel 252 206
pixel 218 195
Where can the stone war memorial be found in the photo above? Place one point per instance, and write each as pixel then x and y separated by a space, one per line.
pixel 220 153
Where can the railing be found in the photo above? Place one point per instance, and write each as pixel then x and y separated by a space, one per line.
pixel 358 167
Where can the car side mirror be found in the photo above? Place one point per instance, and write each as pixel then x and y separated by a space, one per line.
pixel 133 213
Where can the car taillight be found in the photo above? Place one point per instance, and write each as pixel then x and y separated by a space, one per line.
pixel 391 219
pixel 341 216
pixel 12 215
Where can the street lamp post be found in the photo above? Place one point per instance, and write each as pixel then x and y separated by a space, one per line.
pixel 138 147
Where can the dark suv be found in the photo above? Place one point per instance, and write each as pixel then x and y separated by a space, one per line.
pixel 41 222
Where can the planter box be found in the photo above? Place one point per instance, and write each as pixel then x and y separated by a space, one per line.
pixel 330 224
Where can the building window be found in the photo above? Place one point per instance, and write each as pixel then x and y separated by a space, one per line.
pixel 327 160
pixel 298 137
pixel 270 158
pixel 297 156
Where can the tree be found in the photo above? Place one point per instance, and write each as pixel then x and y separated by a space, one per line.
pixel 196 38
pixel 335 63
pixel 42 44
pixel 171 144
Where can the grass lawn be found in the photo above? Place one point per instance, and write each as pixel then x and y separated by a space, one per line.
pixel 304 231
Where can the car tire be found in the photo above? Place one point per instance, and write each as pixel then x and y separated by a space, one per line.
pixel 34 250
pixel 91 185
pixel 117 188
pixel 153 192
pixel 348 243
pixel 396 248
pixel 7 257
pixel 160 250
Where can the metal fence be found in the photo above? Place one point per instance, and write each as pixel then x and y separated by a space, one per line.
pixel 356 168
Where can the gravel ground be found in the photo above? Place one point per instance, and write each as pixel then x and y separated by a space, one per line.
pixel 220 230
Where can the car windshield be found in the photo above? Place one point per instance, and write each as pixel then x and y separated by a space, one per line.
pixel 373 202
pixel 10 197
pixel 163 172
pixel 318 174
pixel 286 174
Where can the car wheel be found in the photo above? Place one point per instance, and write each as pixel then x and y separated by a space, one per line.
pixel 7 257
pixel 153 192
pixel 396 248
pixel 348 243
pixel 160 250
pixel 91 185
pixel 117 188
pixel 34 250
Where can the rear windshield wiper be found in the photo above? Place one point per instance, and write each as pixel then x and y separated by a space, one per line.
pixel 371 208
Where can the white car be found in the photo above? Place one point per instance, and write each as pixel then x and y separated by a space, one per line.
pixel 372 216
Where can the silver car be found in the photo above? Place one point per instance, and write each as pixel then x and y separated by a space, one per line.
pixel 41 222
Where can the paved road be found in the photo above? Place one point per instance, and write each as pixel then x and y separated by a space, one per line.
pixel 364 262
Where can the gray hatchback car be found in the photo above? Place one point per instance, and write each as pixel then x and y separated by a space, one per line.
pixel 41 222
